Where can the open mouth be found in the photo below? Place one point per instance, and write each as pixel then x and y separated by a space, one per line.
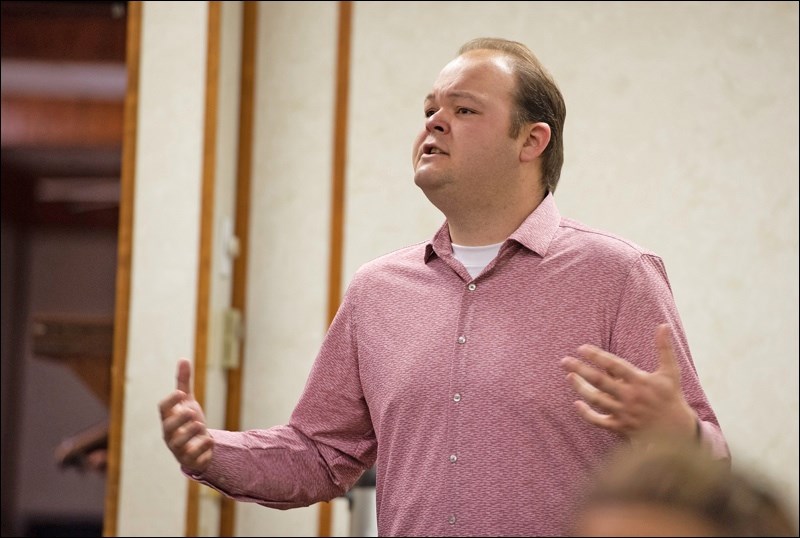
pixel 431 149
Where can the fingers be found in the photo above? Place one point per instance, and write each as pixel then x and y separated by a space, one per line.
pixel 183 423
pixel 174 417
pixel 606 381
pixel 600 399
pixel 598 419
pixel 166 405
pixel 185 432
pixel 198 453
pixel 183 436
pixel 184 376
pixel 616 366
pixel 192 447
pixel 619 396
pixel 666 354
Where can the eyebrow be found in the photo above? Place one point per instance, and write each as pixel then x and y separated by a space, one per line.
pixel 456 95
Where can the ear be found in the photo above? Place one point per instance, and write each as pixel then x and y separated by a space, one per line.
pixel 537 136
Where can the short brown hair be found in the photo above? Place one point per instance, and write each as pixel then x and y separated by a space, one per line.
pixel 537 99
pixel 685 477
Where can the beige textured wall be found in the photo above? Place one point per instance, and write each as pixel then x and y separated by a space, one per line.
pixel 224 218
pixel 152 492
pixel 289 218
pixel 699 162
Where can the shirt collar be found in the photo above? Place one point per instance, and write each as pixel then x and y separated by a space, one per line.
pixel 535 233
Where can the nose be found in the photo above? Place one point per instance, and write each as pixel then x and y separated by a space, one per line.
pixel 437 122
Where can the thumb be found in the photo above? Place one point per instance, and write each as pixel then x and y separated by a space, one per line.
pixel 183 376
pixel 666 354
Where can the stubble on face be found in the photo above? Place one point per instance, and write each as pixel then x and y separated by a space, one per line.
pixel 470 105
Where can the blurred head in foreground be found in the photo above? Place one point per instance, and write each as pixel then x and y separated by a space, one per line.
pixel 671 489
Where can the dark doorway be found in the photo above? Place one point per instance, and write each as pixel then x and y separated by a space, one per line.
pixel 63 90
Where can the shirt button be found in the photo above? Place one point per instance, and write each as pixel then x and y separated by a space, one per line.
pixel 451 520
pixel 457 397
pixel 471 286
pixel 453 458
pixel 462 339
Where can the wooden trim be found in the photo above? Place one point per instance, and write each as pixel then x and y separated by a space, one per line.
pixel 123 277
pixel 206 240
pixel 34 121
pixel 339 159
pixel 233 401
pixel 338 191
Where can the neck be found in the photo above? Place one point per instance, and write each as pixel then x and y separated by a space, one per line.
pixel 490 224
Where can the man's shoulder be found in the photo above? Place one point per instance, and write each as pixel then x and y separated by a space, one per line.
pixel 594 241
pixel 408 258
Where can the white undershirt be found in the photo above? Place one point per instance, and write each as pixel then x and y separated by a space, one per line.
pixel 474 259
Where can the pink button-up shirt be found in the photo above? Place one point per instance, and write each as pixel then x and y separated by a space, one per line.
pixel 452 386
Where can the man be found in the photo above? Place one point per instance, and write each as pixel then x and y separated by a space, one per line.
pixel 444 363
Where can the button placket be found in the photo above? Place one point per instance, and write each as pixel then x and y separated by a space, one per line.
pixel 461 355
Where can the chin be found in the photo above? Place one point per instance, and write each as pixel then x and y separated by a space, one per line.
pixel 425 178
pixel 427 183
pixel 434 189
pixel 420 178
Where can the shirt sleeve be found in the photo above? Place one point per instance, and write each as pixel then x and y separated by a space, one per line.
pixel 646 302
pixel 323 450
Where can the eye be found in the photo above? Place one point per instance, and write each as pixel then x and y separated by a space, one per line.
pixel 462 110
pixel 429 112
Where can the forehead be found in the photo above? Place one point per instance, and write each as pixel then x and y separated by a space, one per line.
pixel 482 72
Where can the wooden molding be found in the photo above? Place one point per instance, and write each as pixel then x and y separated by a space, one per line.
pixel 31 121
pixel 206 226
pixel 233 398
pixel 123 283
pixel 338 191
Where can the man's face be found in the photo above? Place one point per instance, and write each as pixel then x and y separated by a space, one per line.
pixel 464 151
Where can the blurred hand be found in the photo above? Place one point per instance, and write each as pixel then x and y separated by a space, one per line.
pixel 623 398
pixel 184 424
